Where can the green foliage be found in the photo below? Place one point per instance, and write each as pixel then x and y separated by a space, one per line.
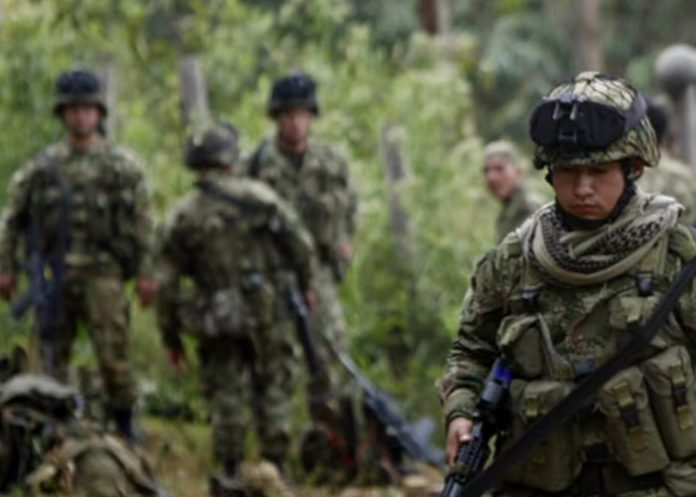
pixel 399 313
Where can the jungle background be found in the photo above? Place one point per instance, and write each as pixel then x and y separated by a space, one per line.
pixel 435 79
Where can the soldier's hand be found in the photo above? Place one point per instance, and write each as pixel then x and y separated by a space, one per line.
pixel 458 434
pixel 345 250
pixel 177 358
pixel 146 289
pixel 8 285
pixel 311 300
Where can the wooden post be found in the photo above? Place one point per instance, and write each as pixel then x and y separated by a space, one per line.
pixel 590 36
pixel 194 94
pixel 676 71
pixel 396 172
pixel 106 73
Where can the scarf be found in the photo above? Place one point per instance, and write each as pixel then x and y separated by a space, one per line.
pixel 587 257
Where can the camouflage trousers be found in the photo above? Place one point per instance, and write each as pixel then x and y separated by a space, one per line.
pixel 330 323
pixel 98 300
pixel 246 379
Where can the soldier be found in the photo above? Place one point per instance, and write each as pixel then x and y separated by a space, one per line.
pixel 560 295
pixel 673 177
pixel 315 180
pixel 503 174
pixel 245 251
pixel 47 448
pixel 82 206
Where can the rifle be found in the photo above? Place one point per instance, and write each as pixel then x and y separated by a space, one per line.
pixel 488 419
pixel 378 403
pixel 46 278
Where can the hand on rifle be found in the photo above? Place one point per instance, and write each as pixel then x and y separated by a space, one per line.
pixel 311 300
pixel 458 434
pixel 345 250
pixel 177 358
pixel 146 289
pixel 8 285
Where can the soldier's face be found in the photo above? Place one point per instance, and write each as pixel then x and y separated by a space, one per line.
pixel 294 125
pixel 81 120
pixel 589 192
pixel 502 177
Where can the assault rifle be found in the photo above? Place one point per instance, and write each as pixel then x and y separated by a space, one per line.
pixel 488 419
pixel 403 437
pixel 46 278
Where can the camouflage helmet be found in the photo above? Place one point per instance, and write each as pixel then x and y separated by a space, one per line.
pixel 78 86
pixel 592 120
pixel 294 91
pixel 215 146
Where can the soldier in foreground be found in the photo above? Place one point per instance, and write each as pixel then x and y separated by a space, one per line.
pixel 315 180
pixel 673 177
pixel 562 294
pixel 243 251
pixel 503 174
pixel 81 207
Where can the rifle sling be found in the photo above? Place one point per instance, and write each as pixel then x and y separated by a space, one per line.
pixel 586 389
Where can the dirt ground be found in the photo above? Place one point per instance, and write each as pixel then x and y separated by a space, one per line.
pixel 180 458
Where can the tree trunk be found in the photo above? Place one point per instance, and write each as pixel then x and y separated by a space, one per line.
pixel 397 171
pixel 106 72
pixel 436 16
pixel 591 52
pixel 194 94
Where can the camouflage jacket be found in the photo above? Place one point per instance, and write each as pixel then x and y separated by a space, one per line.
pixel 515 210
pixel 106 197
pixel 319 187
pixel 673 178
pixel 234 256
pixel 583 322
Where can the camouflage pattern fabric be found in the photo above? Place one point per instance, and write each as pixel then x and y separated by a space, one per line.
pixel 673 178
pixel 239 263
pixel 109 233
pixel 60 453
pixel 515 210
pixel 557 332
pixel 638 142
pixel 319 187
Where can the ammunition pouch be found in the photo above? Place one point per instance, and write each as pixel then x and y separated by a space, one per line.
pixel 553 465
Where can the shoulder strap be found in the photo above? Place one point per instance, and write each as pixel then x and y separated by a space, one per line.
pixel 211 190
pixel 255 160
pixel 586 389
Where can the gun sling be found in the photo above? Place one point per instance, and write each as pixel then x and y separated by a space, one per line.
pixel 585 390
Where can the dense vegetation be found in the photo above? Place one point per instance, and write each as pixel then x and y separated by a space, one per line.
pixel 375 68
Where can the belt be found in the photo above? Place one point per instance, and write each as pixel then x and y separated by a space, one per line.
pixel 611 479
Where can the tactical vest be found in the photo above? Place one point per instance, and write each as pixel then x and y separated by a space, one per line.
pixel 644 419
pixel 101 220
pixel 235 262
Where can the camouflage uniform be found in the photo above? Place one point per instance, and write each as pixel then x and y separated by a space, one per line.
pixel 318 186
pixel 673 178
pixel 47 449
pixel 556 313
pixel 516 209
pixel 108 231
pixel 241 257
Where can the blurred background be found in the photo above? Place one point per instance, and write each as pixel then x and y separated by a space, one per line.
pixel 424 83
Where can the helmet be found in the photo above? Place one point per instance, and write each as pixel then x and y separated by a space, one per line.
pixel 593 119
pixel 215 146
pixel 295 91
pixel 78 87
pixel 503 148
